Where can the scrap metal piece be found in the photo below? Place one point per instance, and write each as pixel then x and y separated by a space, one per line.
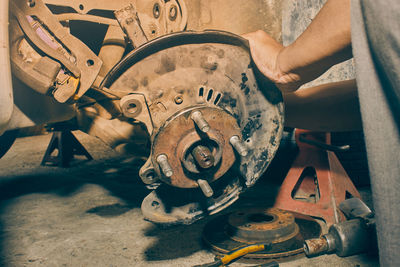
pixel 129 21
pixel 284 231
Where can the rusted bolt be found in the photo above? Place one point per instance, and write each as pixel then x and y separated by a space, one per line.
pixel 199 120
pixel 166 168
pixel 203 156
pixel 173 13
pixel 238 146
pixel 156 10
pixel 178 99
pixel 205 188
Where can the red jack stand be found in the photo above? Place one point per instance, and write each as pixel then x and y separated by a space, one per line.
pixel 316 183
pixel 67 145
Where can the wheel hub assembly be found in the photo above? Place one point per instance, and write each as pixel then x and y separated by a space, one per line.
pixel 214 125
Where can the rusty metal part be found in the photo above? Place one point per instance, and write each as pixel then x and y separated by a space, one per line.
pixel 74 55
pixel 211 72
pixel 147 173
pixel 272 225
pixel 316 246
pixel 27 64
pixel 170 206
pixel 135 106
pixel 173 64
pixel 153 15
pixel 177 144
pixel 203 156
pixel 129 21
pixel 67 17
pixel 131 107
pixel 284 231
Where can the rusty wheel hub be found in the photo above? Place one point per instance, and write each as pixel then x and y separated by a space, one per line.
pixel 192 153
pixel 283 231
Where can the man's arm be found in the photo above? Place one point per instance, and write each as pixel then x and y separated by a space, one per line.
pixel 326 42
pixel 327 107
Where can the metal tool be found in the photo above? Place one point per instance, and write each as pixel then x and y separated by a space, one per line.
pixel 347 238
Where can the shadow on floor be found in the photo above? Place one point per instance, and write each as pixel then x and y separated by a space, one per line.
pixel 118 175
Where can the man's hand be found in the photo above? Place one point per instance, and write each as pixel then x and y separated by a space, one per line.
pixel 326 42
pixel 265 52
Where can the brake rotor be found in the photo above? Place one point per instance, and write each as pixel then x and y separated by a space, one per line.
pixel 283 231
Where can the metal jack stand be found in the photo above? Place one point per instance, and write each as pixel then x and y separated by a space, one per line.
pixel 67 145
pixel 316 183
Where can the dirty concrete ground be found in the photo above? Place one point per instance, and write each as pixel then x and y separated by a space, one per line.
pixel 89 215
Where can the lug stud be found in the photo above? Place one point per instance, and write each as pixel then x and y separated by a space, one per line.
pixel 166 168
pixel 199 120
pixel 205 187
pixel 238 146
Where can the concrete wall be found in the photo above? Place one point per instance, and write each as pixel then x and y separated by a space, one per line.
pixel 237 16
pixel 284 20
pixel 296 16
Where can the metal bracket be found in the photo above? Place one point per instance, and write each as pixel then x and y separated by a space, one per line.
pixel 52 39
pixel 135 106
pixel 129 21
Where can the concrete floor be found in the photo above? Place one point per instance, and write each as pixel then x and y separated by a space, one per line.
pixel 89 215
